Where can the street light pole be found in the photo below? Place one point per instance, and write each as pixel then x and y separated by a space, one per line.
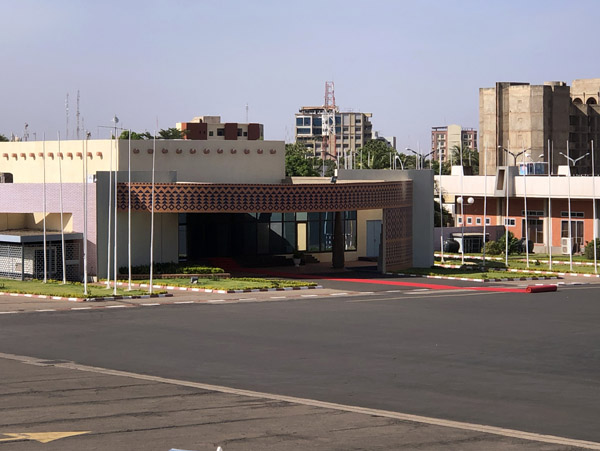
pixel 441 210
pixel 574 161
pixel 515 156
pixel 594 226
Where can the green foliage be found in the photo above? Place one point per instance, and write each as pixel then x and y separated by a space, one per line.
pixel 300 162
pixel 376 155
pixel 171 268
pixel 3 138
pixel 470 158
pixel 448 218
pixel 589 249
pixel 494 248
pixel 446 168
pixel 134 135
pixel 513 243
pixel 171 133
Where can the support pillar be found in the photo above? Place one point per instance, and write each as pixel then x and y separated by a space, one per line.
pixel 338 240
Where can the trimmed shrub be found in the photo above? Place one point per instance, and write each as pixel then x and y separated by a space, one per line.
pixel 589 249
pixel 493 248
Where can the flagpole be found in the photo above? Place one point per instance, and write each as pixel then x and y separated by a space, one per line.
pixel 129 213
pixel 152 214
pixel 484 199
pixel 44 218
pixel 85 216
pixel 109 216
pixel 116 177
pixel 594 225
pixel 62 222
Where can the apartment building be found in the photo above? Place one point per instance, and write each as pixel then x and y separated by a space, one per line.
pixel 519 121
pixel 352 129
pixel 211 127
pixel 445 138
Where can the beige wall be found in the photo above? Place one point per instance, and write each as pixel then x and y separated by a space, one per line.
pixel 34 221
pixel 362 216
pixel 23 160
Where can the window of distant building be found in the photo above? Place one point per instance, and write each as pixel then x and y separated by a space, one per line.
pixel 478 221
pixel 211 133
pixel 303 131
pixel 220 132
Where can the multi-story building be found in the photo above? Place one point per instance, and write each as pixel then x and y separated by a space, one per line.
pixel 352 130
pixel 202 198
pixel 445 139
pixel 211 127
pixel 526 120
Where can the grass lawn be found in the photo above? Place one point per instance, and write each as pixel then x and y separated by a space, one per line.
pixel 520 264
pixel 245 283
pixel 54 288
pixel 466 273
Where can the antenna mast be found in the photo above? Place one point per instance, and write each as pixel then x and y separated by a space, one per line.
pixel 26 132
pixel 67 116
pixel 328 117
pixel 246 113
pixel 77 115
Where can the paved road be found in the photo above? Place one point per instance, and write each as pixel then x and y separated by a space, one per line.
pixel 526 362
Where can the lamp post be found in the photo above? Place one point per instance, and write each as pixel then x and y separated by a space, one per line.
pixel 417 157
pixel 470 201
pixel 594 226
pixel 574 162
pixel 441 209
pixel 549 208
pixel 515 156
pixel 425 158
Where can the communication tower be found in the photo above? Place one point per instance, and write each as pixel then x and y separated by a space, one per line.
pixel 329 125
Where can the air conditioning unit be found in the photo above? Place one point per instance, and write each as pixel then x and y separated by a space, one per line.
pixel 566 245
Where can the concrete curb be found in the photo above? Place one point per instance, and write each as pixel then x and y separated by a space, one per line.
pixel 467 279
pixel 105 298
pixel 208 290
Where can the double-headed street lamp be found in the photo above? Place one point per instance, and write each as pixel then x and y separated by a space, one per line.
pixel 574 162
pixel 515 156
pixel 417 157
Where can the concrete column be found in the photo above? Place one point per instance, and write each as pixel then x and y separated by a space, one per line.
pixel 338 240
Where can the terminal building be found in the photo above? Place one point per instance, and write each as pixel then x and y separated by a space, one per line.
pixel 221 197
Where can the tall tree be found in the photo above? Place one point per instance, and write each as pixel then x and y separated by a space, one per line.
pixel 3 138
pixel 470 158
pixel 134 135
pixel 299 161
pixel 375 154
pixel 171 133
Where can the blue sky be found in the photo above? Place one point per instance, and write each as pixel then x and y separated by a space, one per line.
pixel 413 65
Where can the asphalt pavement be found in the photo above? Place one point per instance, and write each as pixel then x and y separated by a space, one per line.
pixel 509 360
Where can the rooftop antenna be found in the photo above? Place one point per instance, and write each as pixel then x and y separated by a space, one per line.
pixel 77 115
pixel 67 116
pixel 26 132
pixel 246 112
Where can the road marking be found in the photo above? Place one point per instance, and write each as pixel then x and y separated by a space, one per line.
pixel 216 300
pixel 277 297
pixel 183 302
pixel 338 294
pixel 149 305
pixel 7 313
pixel 81 308
pixel 247 299
pixel 46 310
pixel 393 291
pixel 42 437
pixel 309 295
pixel 523 435
pixel 116 306
pixel 436 294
